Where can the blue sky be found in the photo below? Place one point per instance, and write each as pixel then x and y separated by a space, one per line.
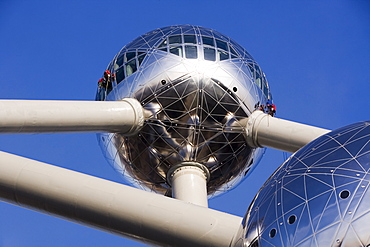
pixel 315 54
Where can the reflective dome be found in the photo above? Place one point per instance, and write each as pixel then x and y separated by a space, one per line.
pixel 198 85
pixel 319 197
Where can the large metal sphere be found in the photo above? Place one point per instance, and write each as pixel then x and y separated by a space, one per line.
pixel 318 197
pixel 198 85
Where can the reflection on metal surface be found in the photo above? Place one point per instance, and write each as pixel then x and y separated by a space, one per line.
pixel 197 85
pixel 318 197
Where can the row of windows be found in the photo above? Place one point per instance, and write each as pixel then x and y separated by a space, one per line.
pixel 213 49
pixel 192 39
pixel 191 52
pixel 259 79
pixel 123 58
pixel 127 64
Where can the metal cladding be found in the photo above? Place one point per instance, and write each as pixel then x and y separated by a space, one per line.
pixel 319 197
pixel 197 85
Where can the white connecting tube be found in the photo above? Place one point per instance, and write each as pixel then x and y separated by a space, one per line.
pixel 263 130
pixel 50 116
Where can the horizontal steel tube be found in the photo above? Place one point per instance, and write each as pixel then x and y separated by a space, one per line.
pixel 264 130
pixel 112 207
pixel 40 116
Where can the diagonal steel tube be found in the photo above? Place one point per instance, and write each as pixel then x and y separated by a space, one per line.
pixel 112 207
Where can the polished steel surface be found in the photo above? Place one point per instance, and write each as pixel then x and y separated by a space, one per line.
pixel 318 197
pixel 197 85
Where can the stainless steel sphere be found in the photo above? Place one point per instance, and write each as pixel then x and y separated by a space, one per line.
pixel 318 197
pixel 198 85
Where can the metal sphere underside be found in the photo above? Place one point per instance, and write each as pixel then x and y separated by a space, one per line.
pixel 192 121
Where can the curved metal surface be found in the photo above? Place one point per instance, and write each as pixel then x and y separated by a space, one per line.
pixel 318 197
pixel 197 85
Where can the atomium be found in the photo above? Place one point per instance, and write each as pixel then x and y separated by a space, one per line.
pixel 319 197
pixel 198 85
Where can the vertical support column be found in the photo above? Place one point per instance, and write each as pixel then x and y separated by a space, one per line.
pixel 189 182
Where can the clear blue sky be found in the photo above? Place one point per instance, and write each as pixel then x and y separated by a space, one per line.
pixel 316 56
